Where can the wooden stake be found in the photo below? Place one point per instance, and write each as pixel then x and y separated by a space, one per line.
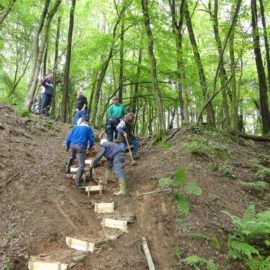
pixel 93 189
pixel 147 254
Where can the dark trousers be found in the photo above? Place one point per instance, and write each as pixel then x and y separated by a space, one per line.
pixel 110 129
pixel 45 103
pixel 117 164
pixel 78 152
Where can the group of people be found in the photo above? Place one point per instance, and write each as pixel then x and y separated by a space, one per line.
pixel 119 129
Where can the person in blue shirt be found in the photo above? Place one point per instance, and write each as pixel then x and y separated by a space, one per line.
pixel 79 139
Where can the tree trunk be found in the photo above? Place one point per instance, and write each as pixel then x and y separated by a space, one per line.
pixel 33 82
pixel 222 73
pixel 121 64
pixel 260 70
pixel 161 122
pixel 40 51
pixel 209 108
pixel 67 64
pixel 136 86
pixel 91 98
pixel 266 43
pixel 55 65
pixel 177 27
pixel 6 11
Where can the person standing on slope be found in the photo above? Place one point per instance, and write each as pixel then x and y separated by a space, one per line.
pixel 47 94
pixel 115 113
pixel 79 139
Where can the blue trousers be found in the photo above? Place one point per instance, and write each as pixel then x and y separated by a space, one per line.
pixel 110 129
pixel 135 148
pixel 116 163
pixel 78 152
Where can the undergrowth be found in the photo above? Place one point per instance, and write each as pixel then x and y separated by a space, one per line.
pixel 181 190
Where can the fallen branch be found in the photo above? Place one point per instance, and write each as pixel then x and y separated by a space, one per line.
pixel 172 135
pixel 252 137
pixel 154 192
pixel 11 178
pixel 147 254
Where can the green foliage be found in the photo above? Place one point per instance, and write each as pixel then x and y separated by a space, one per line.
pixel 181 190
pixel 258 186
pixel 263 173
pixel 178 252
pixel 210 238
pixel 197 262
pixel 203 147
pixel 251 238
pixel 226 170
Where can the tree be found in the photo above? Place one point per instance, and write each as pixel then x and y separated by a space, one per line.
pixel 152 60
pixel 264 107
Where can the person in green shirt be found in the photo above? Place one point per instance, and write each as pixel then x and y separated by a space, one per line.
pixel 115 113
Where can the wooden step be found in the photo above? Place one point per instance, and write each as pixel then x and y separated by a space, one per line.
pixel 102 208
pixel 81 245
pixel 75 169
pixel 40 265
pixel 88 161
pixel 114 224
pixel 89 189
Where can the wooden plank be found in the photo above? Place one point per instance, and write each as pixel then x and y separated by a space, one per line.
pixel 114 224
pixel 40 265
pixel 81 245
pixel 103 208
pixel 147 253
pixel 89 189
pixel 88 161
pixel 74 170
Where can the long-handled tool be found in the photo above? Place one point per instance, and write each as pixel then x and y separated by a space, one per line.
pixel 133 162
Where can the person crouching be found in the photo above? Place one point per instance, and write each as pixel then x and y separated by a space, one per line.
pixel 115 157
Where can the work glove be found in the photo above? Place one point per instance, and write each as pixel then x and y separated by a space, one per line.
pixel 125 135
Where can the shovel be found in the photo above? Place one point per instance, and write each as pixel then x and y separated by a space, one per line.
pixel 133 162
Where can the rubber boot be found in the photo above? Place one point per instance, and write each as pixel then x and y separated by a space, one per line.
pixel 106 178
pixel 123 187
pixel 69 163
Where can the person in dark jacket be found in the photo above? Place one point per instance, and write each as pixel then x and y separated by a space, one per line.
pixel 47 94
pixel 115 157
pixel 125 133
pixel 81 108
pixel 79 139
pixel 115 113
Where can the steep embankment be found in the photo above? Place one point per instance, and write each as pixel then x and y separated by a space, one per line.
pixel 40 206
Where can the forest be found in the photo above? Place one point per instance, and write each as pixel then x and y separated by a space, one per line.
pixel 171 62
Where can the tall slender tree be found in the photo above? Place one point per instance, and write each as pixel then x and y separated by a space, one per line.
pixel 152 60
pixel 67 64
pixel 264 106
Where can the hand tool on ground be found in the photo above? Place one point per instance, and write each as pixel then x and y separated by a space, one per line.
pixel 133 162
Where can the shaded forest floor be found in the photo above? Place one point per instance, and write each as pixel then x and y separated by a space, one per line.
pixel 39 206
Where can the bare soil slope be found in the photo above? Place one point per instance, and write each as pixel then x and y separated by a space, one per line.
pixel 39 206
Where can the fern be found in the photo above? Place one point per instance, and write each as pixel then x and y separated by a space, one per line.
pixel 181 190
pixel 164 182
pixel 193 189
pixel 197 261
pixel 179 177
pixel 182 203
pixel 242 249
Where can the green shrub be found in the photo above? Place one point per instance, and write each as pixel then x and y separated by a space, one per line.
pixel 198 262
pixel 259 186
pixel 250 241
pixel 181 190
pixel 263 173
